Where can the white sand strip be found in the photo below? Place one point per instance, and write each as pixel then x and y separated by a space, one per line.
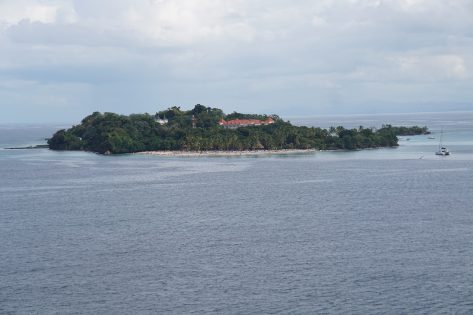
pixel 225 153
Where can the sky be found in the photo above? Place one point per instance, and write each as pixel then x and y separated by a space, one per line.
pixel 61 60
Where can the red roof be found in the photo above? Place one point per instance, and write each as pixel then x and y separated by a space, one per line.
pixel 245 122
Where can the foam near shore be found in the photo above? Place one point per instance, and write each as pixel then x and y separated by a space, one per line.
pixel 225 153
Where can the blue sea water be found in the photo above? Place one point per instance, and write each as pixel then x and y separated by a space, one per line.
pixel 365 232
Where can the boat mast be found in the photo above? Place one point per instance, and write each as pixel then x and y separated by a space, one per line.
pixel 441 137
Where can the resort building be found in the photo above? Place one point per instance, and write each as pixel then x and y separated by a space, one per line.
pixel 161 121
pixel 236 123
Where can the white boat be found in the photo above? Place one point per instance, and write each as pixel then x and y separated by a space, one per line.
pixel 442 149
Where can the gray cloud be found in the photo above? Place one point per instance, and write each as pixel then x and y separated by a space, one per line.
pixel 291 57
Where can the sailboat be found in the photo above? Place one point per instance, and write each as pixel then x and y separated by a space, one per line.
pixel 442 149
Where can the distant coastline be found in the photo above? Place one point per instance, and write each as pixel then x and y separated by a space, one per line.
pixel 30 147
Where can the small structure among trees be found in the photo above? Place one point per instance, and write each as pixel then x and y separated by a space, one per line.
pixel 159 120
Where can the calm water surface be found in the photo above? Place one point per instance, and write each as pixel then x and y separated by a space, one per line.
pixel 375 231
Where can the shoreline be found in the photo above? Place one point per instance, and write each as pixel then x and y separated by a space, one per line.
pixel 226 153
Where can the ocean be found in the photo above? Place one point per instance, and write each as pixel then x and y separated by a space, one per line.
pixel 362 232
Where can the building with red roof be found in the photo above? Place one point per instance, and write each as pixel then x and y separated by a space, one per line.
pixel 236 123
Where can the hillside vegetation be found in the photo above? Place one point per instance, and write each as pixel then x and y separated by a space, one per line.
pixel 110 133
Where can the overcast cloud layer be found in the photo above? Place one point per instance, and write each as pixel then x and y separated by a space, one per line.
pixel 61 60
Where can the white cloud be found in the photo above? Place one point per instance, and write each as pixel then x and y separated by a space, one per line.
pixel 314 50
pixel 13 12
pixel 434 68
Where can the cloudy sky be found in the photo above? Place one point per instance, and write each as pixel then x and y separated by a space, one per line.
pixel 63 59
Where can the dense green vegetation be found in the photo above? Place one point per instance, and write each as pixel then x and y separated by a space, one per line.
pixel 409 131
pixel 198 129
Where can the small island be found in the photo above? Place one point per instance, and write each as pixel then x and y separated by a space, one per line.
pixel 209 129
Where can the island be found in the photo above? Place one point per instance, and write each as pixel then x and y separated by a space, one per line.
pixel 211 130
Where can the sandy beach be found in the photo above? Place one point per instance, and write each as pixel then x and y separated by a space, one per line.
pixel 225 153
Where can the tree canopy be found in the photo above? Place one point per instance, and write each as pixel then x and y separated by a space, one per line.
pixel 113 133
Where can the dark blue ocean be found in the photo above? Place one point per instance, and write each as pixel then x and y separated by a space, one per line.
pixel 384 231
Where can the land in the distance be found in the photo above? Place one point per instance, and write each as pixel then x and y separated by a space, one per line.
pixel 209 129
pixel 38 146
